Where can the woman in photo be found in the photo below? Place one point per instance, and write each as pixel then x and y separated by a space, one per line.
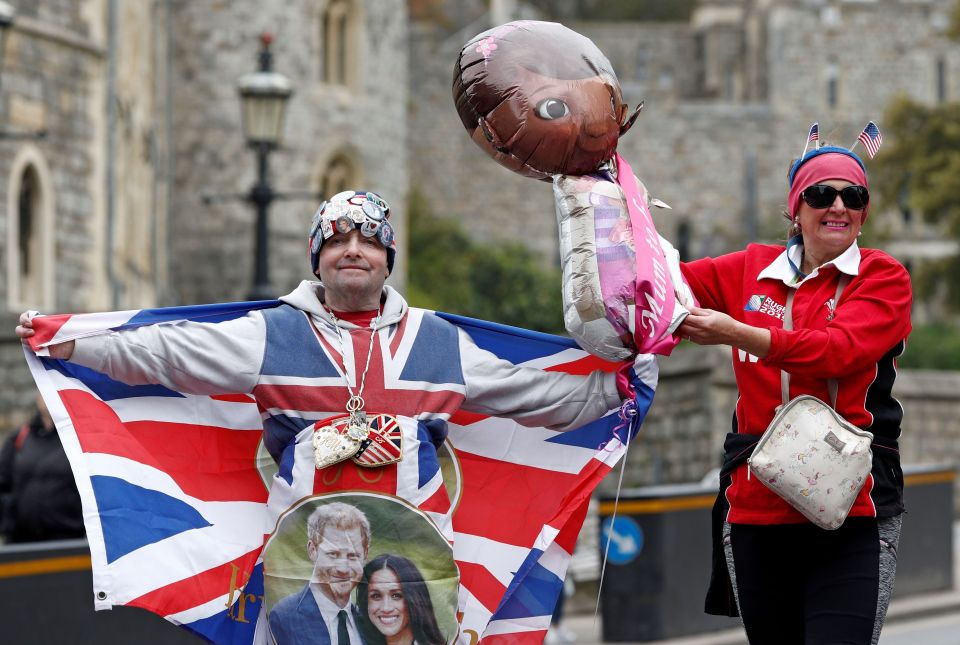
pixel 395 605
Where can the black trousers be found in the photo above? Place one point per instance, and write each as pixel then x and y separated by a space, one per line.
pixel 800 584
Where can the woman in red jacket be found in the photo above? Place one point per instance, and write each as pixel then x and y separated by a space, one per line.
pixel 792 581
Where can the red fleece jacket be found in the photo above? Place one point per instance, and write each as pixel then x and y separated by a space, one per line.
pixel 858 348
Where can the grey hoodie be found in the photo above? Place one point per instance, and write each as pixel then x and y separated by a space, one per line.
pixel 215 358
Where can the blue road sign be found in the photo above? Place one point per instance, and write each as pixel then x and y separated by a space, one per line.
pixel 625 537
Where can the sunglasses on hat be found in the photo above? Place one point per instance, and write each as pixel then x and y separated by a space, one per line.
pixel 823 196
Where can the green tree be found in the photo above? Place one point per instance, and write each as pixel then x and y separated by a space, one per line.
pixel 504 283
pixel 919 169
pixel 954 30
pixel 932 347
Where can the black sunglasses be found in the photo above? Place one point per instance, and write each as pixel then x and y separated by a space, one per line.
pixel 823 196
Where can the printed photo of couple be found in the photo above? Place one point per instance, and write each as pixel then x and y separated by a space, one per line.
pixel 359 570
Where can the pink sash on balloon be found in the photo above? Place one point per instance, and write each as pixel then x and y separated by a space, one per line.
pixel 654 296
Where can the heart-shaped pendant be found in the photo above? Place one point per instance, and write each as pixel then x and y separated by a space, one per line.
pixel 384 442
pixel 331 445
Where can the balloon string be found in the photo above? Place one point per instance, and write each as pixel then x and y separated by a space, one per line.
pixel 629 417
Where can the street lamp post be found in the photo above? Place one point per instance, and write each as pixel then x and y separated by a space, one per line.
pixel 264 96
pixel 6 21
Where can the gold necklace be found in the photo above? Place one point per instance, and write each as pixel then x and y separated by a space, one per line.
pixel 357 428
pixel 370 441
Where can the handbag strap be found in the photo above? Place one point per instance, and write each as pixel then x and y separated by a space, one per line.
pixel 832 385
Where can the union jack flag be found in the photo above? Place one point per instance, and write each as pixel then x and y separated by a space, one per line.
pixel 871 138
pixel 179 493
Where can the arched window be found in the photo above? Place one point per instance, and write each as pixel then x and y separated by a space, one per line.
pixel 30 239
pixel 337 42
pixel 27 238
pixel 339 175
pixel 832 82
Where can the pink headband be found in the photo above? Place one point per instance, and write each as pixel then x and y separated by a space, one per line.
pixel 820 168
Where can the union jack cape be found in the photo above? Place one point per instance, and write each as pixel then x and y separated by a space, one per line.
pixel 176 504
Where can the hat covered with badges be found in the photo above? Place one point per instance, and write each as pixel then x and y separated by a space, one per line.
pixel 352 209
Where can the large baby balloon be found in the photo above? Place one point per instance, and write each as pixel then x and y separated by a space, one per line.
pixel 618 289
pixel 543 101
pixel 540 99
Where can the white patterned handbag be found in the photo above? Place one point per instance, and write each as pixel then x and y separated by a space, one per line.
pixel 814 459
pixel 809 455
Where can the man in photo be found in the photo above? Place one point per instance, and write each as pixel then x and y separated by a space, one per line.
pixel 338 538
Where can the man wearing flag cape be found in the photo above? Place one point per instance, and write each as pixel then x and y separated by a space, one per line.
pixel 405 414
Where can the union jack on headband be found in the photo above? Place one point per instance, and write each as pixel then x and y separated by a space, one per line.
pixel 871 138
pixel 177 510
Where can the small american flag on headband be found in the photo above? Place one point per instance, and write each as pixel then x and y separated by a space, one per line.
pixel 814 135
pixel 871 138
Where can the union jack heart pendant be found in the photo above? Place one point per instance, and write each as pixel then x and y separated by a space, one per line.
pixel 384 443
pixel 332 444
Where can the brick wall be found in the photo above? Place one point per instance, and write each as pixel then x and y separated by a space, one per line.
pixel 17 391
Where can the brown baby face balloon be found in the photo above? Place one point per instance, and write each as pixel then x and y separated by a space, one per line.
pixel 540 98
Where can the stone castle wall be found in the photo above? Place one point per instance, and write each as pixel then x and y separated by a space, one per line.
pixel 700 141
pixel 215 44
pixel 143 118
pixel 17 391
pixel 50 82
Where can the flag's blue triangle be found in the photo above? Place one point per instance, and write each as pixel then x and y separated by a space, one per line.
pixel 427 462
pixel 102 385
pixel 533 592
pixel 237 623
pixel 133 517
pixel 598 433
pixel 512 343
pixel 433 338
pixel 594 435
pixel 211 313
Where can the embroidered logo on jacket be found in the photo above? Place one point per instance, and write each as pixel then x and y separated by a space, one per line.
pixel 765 305
pixel 831 306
